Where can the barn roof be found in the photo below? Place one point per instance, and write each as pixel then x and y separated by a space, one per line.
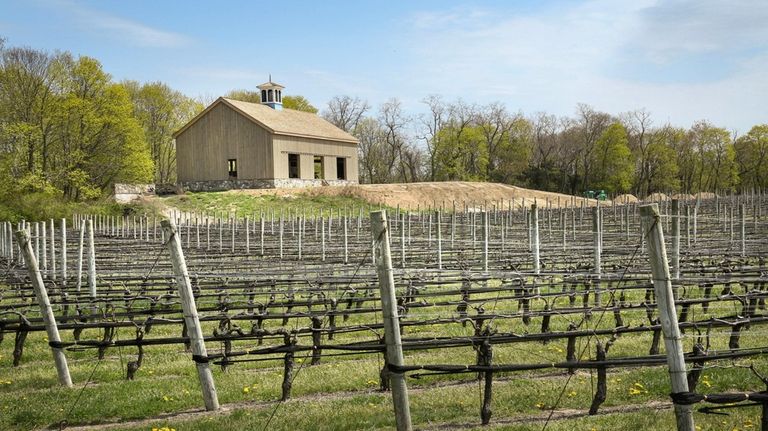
pixel 280 122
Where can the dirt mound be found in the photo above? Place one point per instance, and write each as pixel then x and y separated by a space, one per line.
pixel 626 199
pixel 706 195
pixel 656 197
pixel 683 196
pixel 437 194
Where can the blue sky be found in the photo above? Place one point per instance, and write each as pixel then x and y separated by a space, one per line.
pixel 682 60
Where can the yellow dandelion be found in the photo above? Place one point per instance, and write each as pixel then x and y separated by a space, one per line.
pixel 246 390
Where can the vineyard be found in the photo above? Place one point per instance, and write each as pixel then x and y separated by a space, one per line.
pixel 513 316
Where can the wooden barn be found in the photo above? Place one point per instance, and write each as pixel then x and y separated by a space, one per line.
pixel 241 145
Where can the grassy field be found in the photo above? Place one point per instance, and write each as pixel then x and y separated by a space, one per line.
pixel 342 393
pixel 244 204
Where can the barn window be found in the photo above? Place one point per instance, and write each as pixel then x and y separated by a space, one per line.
pixel 232 168
pixel 341 168
pixel 319 171
pixel 263 95
pixel 270 96
pixel 279 97
pixel 293 166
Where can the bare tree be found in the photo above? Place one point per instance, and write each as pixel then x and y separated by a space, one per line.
pixel 372 149
pixel 495 123
pixel 345 112
pixel 431 124
pixel 394 121
pixel 638 124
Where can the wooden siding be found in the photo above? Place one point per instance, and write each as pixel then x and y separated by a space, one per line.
pixel 307 149
pixel 203 149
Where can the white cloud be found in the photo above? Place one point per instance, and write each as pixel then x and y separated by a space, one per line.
pixel 680 27
pixel 597 52
pixel 124 29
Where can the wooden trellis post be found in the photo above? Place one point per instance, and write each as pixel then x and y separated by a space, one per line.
pixel 45 308
pixel 662 286
pixel 196 340
pixel 394 349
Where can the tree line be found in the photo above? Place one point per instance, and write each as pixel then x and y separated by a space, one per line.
pixel 624 153
pixel 68 129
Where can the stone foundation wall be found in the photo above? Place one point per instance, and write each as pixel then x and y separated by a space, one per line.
pixel 125 193
pixel 277 183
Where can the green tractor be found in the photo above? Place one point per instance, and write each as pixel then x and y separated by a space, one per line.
pixel 596 194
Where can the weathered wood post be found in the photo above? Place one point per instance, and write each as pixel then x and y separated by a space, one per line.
pixel 195 333
pixel 743 227
pixel 44 248
pixel 63 251
pixel 676 238
pixel 439 241
pixel 345 222
pixel 662 286
pixel 535 238
pixel 91 260
pixel 22 237
pixel 80 255
pixel 596 238
pixel 53 250
pixel 485 241
pixel 394 348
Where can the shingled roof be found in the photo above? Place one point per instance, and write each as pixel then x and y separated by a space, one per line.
pixel 281 122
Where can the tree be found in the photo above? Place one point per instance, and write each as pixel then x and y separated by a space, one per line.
pixel 752 158
pixel 715 167
pixel 638 124
pixel 161 111
pixel 345 112
pixel 394 121
pixel 513 154
pixel 612 162
pixel 372 151
pixel 660 169
pixel 432 124
pixel 98 139
pixel 245 96
pixel 298 103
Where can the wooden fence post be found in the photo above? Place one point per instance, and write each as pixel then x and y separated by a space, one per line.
pixel 80 255
pixel 662 286
pixel 63 251
pixel 394 348
pixel 91 260
pixel 535 241
pixel 195 333
pixel 45 308
pixel 676 238
pixel 485 240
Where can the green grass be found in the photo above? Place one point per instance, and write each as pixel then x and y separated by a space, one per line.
pixel 243 204
pixel 45 206
pixel 340 393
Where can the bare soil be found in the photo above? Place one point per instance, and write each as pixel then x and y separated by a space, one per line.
pixel 436 194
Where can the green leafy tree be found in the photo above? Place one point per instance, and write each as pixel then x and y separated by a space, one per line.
pixel 752 158
pixel 96 130
pixel 661 173
pixel 298 103
pixel 244 96
pixel 161 111
pixel 612 163
pixel 716 168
